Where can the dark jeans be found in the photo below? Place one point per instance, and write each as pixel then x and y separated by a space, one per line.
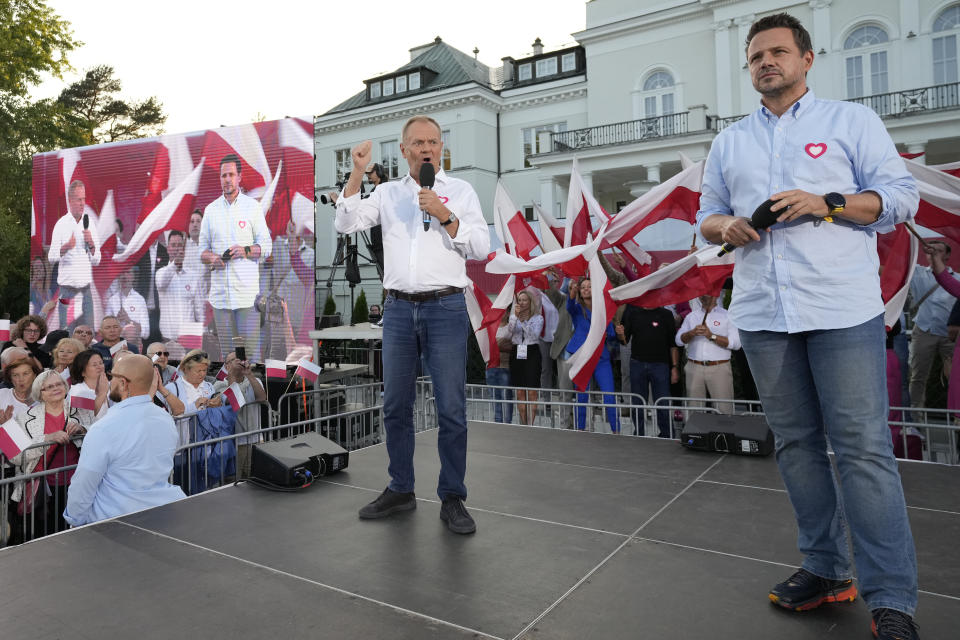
pixel 657 376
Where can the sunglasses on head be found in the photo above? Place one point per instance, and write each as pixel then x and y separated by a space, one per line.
pixel 200 355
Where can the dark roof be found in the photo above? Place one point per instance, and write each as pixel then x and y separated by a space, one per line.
pixel 451 66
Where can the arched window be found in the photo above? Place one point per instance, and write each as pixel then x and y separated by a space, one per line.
pixel 947 25
pixel 658 94
pixel 865 64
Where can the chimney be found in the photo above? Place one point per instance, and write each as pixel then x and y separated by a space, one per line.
pixel 537 47
pixel 418 51
pixel 507 69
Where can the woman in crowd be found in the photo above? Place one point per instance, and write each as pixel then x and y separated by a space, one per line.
pixel 51 420
pixel 15 400
pixel 63 354
pixel 197 394
pixel 525 326
pixel 27 334
pixel 191 387
pixel 580 305
pixel 499 376
pixel 89 378
pixel 162 361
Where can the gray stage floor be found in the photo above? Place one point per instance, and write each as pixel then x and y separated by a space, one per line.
pixel 579 536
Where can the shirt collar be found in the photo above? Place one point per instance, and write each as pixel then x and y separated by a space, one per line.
pixel 797 109
pixel 132 400
pixel 440 177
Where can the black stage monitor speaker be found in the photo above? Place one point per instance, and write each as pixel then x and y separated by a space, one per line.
pixel 284 462
pixel 744 435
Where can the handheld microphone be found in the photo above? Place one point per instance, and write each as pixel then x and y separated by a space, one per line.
pixel 427 177
pixel 86 225
pixel 762 218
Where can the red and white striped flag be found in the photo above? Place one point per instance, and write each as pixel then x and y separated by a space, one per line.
pixel 898 255
pixel 276 369
pixel 308 370
pixel 222 374
pixel 578 225
pixel 551 231
pixel 694 275
pixel 516 235
pixel 234 394
pixel 191 335
pixel 584 360
pixel 5 330
pixel 485 317
pixel 939 199
pixel 13 438
pixel 83 398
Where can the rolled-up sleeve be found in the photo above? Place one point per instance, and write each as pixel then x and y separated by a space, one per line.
pixel 354 213
pixel 880 169
pixel 473 235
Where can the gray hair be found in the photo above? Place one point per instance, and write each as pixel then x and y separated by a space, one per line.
pixel 39 381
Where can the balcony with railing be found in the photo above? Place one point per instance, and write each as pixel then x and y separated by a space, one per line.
pixel 895 104
pixel 628 132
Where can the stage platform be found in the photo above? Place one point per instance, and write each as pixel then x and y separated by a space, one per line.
pixel 579 535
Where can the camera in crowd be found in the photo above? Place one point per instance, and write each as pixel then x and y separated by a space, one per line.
pixel 330 197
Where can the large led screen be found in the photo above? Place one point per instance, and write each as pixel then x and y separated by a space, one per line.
pixel 200 240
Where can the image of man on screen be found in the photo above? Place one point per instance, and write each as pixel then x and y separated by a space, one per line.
pixel 76 247
pixel 233 238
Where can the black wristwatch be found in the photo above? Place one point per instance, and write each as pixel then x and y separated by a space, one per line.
pixel 246 250
pixel 836 203
pixel 450 220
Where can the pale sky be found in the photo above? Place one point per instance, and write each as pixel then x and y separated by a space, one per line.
pixel 213 63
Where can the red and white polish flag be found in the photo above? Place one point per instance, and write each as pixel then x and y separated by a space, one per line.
pixel 551 231
pixel 308 370
pixel 584 360
pixel 515 233
pixel 694 275
pixel 578 226
pixel 83 398
pixel 222 374
pixel 485 317
pixel 5 330
pixel 234 394
pixel 13 438
pixel 191 335
pixel 276 369
pixel 939 198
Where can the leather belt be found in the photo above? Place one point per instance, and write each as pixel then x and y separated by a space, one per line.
pixel 424 296
pixel 709 363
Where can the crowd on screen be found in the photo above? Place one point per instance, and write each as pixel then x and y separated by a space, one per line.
pixel 55 387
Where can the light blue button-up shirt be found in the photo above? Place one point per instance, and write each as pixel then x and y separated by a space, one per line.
pixel 935 311
pixel 807 274
pixel 124 464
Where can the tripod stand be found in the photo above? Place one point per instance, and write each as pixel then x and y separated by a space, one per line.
pixel 347 255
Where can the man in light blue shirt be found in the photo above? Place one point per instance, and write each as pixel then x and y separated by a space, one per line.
pixel 931 309
pixel 127 456
pixel 807 302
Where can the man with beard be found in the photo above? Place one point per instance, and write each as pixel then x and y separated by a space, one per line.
pixel 807 303
pixel 127 456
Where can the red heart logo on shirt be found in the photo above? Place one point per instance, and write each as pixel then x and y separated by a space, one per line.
pixel 242 223
pixel 815 150
pixel 716 323
pixel 444 199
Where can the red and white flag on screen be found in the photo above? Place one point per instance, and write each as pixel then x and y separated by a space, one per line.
pixel 171 166
pixel 191 335
pixel 551 231
pixel 222 374
pixel 939 199
pixel 485 317
pixel 276 369
pixel 308 370
pixel 13 438
pixel 5 330
pixel 83 398
pixel 234 394
pixel 694 275
pixel 244 142
pixel 511 226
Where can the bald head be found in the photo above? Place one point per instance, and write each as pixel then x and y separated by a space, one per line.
pixel 138 370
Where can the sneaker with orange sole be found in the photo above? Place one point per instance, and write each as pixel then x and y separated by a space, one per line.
pixel 804 591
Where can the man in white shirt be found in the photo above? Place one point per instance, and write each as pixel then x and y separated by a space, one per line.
pixel 129 306
pixel 76 247
pixel 709 337
pixel 425 313
pixel 178 290
pixel 233 238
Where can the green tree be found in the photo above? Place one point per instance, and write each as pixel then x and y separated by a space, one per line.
pixel 34 41
pixel 93 106
pixel 330 306
pixel 361 313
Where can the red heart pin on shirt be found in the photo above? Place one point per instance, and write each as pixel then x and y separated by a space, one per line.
pixel 444 199
pixel 815 150
pixel 243 223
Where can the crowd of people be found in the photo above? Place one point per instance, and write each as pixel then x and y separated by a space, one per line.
pixel 68 392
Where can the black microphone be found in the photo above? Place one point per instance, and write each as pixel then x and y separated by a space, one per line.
pixel 86 225
pixel 427 176
pixel 762 218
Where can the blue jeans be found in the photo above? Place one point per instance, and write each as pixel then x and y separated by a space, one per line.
pixel 831 384
pixel 656 375
pixel 498 377
pixel 238 322
pixel 603 379
pixel 438 330
pixel 68 293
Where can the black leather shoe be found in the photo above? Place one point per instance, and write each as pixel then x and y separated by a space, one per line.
pixel 388 503
pixel 455 515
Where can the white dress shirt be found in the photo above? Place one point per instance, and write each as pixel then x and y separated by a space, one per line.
pixel 702 348
pixel 135 306
pixel 180 302
pixel 76 265
pixel 414 259
pixel 225 225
